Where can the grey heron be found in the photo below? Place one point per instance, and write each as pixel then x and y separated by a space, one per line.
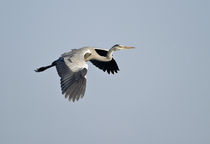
pixel 72 68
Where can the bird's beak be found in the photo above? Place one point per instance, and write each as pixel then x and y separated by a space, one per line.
pixel 128 47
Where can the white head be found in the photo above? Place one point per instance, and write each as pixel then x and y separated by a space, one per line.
pixel 121 47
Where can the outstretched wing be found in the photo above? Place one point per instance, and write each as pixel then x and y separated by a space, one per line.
pixel 110 66
pixel 73 84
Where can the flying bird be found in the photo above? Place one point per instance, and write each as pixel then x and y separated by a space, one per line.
pixel 72 68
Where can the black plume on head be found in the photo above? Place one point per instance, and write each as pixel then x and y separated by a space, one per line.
pixel 116 45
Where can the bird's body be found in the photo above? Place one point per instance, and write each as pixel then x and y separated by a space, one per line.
pixel 72 68
pixel 75 58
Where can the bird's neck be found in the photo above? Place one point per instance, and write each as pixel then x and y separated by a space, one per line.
pixel 106 58
pixel 109 54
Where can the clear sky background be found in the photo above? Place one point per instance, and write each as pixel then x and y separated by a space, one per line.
pixel 160 96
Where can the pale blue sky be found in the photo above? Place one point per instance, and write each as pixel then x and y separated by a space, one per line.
pixel 160 96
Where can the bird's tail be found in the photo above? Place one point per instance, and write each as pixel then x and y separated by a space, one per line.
pixel 41 69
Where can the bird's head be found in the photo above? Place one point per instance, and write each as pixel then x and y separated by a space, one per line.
pixel 121 47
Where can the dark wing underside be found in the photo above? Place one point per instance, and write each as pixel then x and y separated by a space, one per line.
pixel 110 66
